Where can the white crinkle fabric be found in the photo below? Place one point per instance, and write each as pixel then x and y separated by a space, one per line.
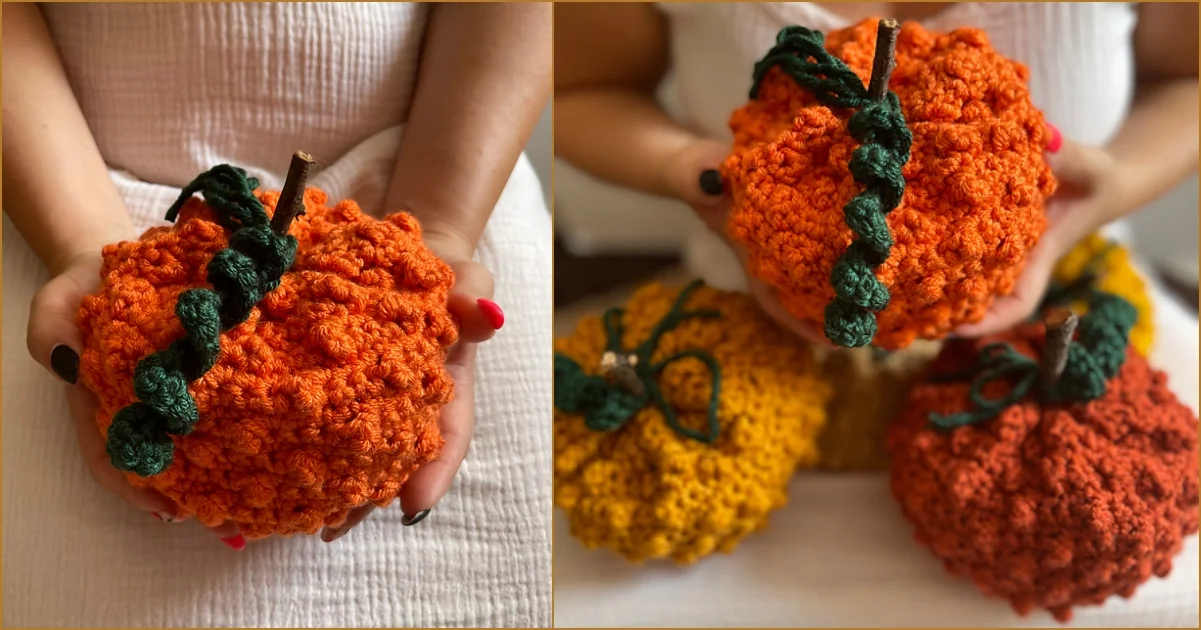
pixel 170 90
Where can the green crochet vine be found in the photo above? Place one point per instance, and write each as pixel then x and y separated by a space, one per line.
pixel 885 141
pixel 606 405
pixel 1094 358
pixel 1079 288
pixel 139 439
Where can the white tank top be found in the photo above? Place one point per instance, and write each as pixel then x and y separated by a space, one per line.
pixel 1080 56
pixel 170 90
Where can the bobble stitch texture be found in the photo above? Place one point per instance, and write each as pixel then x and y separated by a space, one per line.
pixel 885 141
pixel 241 275
pixel 326 396
pixel 974 184
pixel 1050 506
pixel 645 491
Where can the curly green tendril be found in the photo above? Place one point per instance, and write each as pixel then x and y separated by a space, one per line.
pixel 608 407
pixel 1094 358
pixel 241 274
pixel 885 141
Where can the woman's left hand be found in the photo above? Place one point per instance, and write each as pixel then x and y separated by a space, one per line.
pixel 1082 204
pixel 479 318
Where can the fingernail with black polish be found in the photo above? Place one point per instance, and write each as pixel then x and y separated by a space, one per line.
pixel 711 182
pixel 65 363
pixel 414 519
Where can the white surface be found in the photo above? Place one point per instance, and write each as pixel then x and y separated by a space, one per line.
pixel 171 90
pixel 841 555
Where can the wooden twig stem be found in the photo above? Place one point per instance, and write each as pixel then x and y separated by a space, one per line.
pixel 885 59
pixel 620 370
pixel 291 198
pixel 1061 326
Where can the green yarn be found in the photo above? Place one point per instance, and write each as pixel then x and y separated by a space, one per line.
pixel 606 406
pixel 885 141
pixel 1093 359
pixel 241 274
pixel 1080 287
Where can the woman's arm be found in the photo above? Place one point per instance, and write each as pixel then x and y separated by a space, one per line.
pixel 485 76
pixel 1157 146
pixel 609 60
pixel 57 187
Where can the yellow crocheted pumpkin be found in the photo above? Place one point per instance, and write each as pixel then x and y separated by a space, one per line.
pixel 870 388
pixel 1104 265
pixel 679 421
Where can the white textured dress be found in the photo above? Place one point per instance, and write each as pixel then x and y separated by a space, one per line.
pixel 840 553
pixel 169 91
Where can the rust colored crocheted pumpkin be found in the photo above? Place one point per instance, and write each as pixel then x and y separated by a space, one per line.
pixel 1049 493
pixel 679 420
pixel 896 211
pixel 275 379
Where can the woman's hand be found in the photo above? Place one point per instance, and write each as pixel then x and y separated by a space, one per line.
pixel 1085 201
pixel 484 78
pixel 693 177
pixel 479 318
pixel 55 341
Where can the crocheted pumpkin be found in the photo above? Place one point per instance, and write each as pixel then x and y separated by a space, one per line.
pixel 892 212
pixel 1097 263
pixel 870 388
pixel 679 421
pixel 1050 491
pixel 272 378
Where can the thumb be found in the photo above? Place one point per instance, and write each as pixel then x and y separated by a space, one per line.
pixel 694 175
pixel 1076 165
pixel 471 303
pixel 53 338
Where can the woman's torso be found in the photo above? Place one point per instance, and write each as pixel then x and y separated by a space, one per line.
pixel 169 90
pixel 1080 55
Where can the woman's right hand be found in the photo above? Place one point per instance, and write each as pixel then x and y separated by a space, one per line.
pixel 694 177
pixel 54 340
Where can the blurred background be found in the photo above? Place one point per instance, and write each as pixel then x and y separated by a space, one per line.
pixel 540 152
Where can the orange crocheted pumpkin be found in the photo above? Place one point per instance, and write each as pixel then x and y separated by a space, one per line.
pixel 319 397
pixel 1078 490
pixel 896 211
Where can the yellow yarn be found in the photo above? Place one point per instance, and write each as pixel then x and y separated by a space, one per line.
pixel 1116 275
pixel 869 391
pixel 647 492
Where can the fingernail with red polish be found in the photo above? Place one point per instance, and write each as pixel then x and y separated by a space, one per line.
pixel 1055 141
pixel 237 543
pixel 492 311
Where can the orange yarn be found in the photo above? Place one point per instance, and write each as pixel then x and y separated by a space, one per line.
pixel 325 399
pixel 1050 506
pixel 975 183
